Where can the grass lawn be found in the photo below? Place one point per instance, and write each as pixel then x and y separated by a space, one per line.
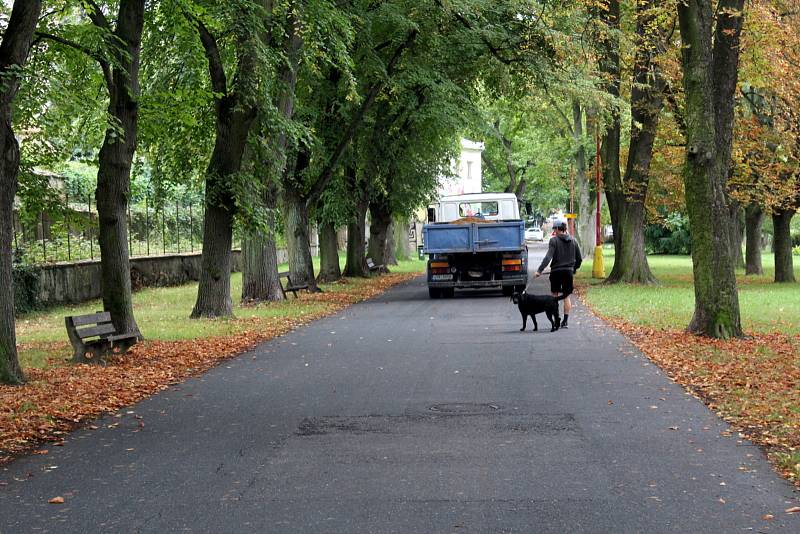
pixel 163 314
pixel 753 383
pixel 765 306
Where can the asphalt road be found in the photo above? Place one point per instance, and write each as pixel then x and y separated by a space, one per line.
pixel 403 414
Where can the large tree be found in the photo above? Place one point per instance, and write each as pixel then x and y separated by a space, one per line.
pixel 14 49
pixel 627 196
pixel 260 277
pixel 304 180
pixel 236 108
pixel 115 46
pixel 710 58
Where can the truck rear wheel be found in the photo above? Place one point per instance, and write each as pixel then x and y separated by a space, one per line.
pixel 434 292
pixel 449 292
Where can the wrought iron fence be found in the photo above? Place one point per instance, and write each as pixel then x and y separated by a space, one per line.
pixel 69 232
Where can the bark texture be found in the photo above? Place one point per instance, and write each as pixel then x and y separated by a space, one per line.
pixel 390 256
pixel 329 270
pixel 710 70
pixel 356 264
pixel 380 220
pixel 14 51
pixel 627 199
pixel 736 232
pixel 754 218
pixel 114 163
pixel 402 248
pixel 233 121
pixel 298 239
pixel 584 222
pixel 260 280
pixel 784 267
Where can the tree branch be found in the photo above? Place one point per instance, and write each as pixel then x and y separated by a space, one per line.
pixel 490 164
pixel 495 51
pixel 563 115
pixel 97 16
pixel 216 70
pixel 104 65
pixel 326 174
pixel 669 92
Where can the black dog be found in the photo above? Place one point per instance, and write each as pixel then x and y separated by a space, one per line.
pixel 533 304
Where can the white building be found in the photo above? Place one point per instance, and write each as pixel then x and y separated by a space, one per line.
pixel 468 180
pixel 468 170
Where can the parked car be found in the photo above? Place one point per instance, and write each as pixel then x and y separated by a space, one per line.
pixel 534 233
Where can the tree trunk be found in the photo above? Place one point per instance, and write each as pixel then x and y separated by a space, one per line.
pixel 736 232
pixel 114 169
pixel 214 289
pixel 329 270
pixel 14 51
pixel 235 116
pixel 380 219
pixel 585 216
pixel 754 218
pixel 609 64
pixel 391 244
pixel 298 240
pixel 781 222
pixel 709 82
pixel 632 262
pixel 627 199
pixel 260 281
pixel 356 264
pixel 260 278
pixel 402 250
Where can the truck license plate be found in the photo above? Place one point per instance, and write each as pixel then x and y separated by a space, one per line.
pixel 442 277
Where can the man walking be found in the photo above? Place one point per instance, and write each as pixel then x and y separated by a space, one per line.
pixel 564 258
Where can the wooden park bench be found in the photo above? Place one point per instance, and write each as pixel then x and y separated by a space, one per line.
pixel 294 288
pixel 375 268
pixel 94 337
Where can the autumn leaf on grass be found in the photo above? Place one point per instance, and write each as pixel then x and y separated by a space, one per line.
pixel 56 500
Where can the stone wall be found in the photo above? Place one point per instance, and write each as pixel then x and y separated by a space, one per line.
pixel 68 283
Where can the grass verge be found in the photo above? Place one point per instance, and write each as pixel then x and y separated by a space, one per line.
pixel 60 396
pixel 752 383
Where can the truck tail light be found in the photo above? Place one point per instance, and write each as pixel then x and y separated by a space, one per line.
pixel 440 267
pixel 512 265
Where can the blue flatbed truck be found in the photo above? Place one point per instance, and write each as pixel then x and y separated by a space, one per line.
pixel 475 241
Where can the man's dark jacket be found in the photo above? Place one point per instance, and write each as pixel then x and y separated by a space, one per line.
pixel 564 253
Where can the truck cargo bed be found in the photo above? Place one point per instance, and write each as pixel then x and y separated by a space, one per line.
pixel 453 238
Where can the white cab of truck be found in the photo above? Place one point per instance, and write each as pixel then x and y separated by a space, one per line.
pixel 488 206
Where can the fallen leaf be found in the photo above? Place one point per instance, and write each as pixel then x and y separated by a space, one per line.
pixel 793 510
pixel 767 517
pixel 56 500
